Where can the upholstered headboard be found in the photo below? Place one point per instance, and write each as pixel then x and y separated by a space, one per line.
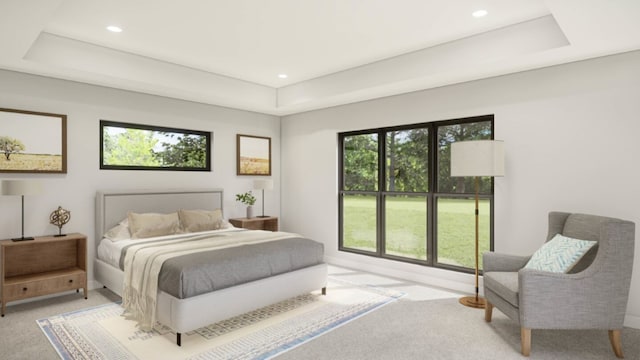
pixel 113 206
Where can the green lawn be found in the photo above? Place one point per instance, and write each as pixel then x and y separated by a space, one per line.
pixel 406 227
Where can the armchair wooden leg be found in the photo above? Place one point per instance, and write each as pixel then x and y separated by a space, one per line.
pixel 616 344
pixel 488 311
pixel 525 341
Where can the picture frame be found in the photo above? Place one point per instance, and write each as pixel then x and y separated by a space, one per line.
pixel 128 146
pixel 253 155
pixel 24 150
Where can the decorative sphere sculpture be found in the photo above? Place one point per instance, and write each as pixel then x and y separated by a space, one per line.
pixel 59 217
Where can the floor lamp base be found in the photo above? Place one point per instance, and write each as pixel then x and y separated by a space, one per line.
pixel 471 301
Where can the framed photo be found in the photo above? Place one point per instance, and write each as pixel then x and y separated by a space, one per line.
pixel 32 142
pixel 125 146
pixel 253 155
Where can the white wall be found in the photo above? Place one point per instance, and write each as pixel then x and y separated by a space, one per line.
pixel 571 136
pixel 85 106
pixel 570 133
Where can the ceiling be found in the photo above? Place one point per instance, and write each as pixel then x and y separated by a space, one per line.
pixel 230 52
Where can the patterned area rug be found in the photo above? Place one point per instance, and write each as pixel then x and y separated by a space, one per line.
pixel 103 333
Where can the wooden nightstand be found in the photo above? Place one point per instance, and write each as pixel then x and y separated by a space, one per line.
pixel 42 266
pixel 269 223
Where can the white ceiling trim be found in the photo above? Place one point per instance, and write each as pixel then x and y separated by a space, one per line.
pixel 79 60
pixel 465 56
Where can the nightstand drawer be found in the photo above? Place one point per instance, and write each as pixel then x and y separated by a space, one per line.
pixel 269 223
pixel 26 289
pixel 252 225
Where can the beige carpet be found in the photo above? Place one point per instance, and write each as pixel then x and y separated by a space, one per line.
pixel 428 324
pixel 444 329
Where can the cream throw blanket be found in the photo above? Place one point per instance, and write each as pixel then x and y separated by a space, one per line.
pixel 143 263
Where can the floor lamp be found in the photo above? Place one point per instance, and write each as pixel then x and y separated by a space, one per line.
pixel 21 188
pixel 477 158
pixel 263 184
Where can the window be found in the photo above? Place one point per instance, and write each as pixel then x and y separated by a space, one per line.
pixel 127 146
pixel 398 201
pixel 360 180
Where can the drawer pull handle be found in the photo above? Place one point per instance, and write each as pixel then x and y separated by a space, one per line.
pixel 70 281
pixel 24 289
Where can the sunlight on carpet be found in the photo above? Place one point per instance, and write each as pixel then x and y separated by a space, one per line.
pixel 102 333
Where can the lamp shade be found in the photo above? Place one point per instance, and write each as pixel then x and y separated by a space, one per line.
pixel 477 158
pixel 21 187
pixel 263 184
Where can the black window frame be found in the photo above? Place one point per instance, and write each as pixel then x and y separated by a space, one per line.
pixel 108 123
pixel 432 194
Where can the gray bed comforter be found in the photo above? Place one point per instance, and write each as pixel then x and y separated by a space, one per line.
pixel 203 272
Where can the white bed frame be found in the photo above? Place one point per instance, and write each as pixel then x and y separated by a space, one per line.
pixel 183 315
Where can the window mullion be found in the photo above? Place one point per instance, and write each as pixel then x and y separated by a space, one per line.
pixel 431 208
pixel 382 187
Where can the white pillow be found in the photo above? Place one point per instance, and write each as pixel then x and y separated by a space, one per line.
pixel 559 254
pixel 118 232
pixel 150 225
pixel 200 220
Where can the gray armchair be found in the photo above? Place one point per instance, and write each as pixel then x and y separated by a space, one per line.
pixel 593 295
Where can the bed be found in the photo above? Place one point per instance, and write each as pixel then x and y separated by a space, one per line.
pixel 187 314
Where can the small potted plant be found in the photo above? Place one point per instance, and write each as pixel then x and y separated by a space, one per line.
pixel 247 199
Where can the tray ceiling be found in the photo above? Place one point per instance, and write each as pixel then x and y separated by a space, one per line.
pixel 231 52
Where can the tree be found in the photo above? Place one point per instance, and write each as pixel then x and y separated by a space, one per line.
pixel 450 134
pixel 189 151
pixel 407 160
pixel 132 147
pixel 361 162
pixel 10 145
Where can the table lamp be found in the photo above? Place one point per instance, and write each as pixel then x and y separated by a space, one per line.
pixel 21 188
pixel 263 184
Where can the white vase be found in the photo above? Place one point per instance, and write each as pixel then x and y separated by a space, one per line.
pixel 249 212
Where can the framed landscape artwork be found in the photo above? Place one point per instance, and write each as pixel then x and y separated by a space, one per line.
pixel 32 142
pixel 253 155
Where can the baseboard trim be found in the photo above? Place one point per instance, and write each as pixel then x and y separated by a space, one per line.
pixel 93 284
pixel 452 281
pixel 632 321
pixel 42 297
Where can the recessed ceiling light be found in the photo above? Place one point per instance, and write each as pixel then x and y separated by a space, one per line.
pixel 114 28
pixel 283 76
pixel 479 13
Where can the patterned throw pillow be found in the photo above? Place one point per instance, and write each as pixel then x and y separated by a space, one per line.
pixel 559 254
